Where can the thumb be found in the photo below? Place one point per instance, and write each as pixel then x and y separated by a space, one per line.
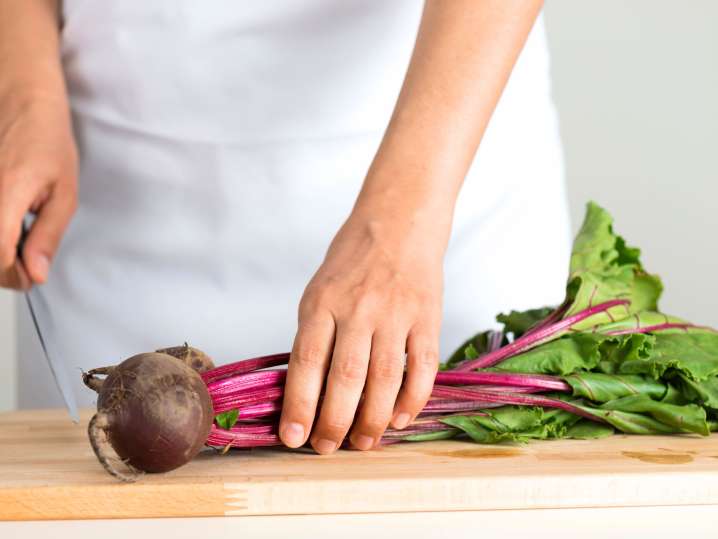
pixel 45 234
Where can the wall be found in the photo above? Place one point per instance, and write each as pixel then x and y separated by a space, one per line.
pixel 635 85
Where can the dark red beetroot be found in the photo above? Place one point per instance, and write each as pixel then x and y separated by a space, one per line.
pixel 155 412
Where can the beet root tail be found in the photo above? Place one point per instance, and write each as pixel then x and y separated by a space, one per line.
pixel 97 432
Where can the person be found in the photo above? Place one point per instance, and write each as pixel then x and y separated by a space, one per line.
pixel 238 160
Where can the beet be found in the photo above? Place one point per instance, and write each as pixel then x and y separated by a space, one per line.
pixel 191 356
pixel 154 411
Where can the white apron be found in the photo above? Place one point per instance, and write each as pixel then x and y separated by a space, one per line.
pixel 222 145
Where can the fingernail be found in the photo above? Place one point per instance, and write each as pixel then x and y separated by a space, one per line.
pixel 293 434
pixel 325 446
pixel 363 442
pixel 401 420
pixel 42 267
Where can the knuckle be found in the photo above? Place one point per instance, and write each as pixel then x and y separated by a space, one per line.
pixel 307 356
pixel 415 398
pixel 425 359
pixel 335 425
pixel 331 429
pixel 364 304
pixel 386 368
pixel 350 370
pixel 298 409
pixel 373 424
pixel 415 395
pixel 314 300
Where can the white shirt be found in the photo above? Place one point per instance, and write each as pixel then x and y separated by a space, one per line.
pixel 222 145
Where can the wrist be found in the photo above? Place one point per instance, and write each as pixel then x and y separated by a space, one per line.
pixel 24 96
pixel 406 199
pixel 422 229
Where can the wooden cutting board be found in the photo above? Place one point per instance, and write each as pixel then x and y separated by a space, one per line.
pixel 48 471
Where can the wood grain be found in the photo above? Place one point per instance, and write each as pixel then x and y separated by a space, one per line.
pixel 48 471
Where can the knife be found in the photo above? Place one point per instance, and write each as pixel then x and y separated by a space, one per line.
pixel 42 321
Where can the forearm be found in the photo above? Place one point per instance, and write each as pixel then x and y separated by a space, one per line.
pixel 464 54
pixel 29 52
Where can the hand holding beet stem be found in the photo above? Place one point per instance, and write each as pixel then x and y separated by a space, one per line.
pixel 375 300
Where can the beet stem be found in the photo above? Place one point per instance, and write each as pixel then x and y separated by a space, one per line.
pixel 90 379
pixel 535 338
pixel 246 365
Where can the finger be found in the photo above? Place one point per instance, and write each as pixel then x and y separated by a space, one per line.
pixel 14 203
pixel 46 232
pixel 421 365
pixel 307 367
pixel 16 277
pixel 386 366
pixel 345 382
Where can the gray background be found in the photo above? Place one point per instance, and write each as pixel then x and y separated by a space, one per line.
pixel 635 84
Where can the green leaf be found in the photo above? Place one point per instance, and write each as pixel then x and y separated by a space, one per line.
pixel 618 349
pixel 478 433
pixel 226 420
pixel 518 322
pixel 514 424
pixel 511 418
pixel 599 387
pixel 470 349
pixel 559 418
pixel 470 352
pixel 642 319
pixel 694 354
pixel 603 268
pixel 674 395
pixel 585 429
pixel 579 351
pixel 633 423
pixel 689 417
pixel 704 392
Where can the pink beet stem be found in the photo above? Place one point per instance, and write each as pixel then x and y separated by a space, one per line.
pixel 260 409
pixel 441 406
pixel 224 403
pixel 657 327
pixel 495 338
pixel 502 379
pixel 526 342
pixel 222 438
pixel 252 381
pixel 254 428
pixel 510 398
pixel 246 365
pixel 555 316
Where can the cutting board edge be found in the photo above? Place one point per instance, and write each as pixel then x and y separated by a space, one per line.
pixel 339 496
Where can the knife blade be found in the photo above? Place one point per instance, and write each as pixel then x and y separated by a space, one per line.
pixel 42 321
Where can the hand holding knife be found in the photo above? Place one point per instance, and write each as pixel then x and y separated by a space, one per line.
pixel 43 325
